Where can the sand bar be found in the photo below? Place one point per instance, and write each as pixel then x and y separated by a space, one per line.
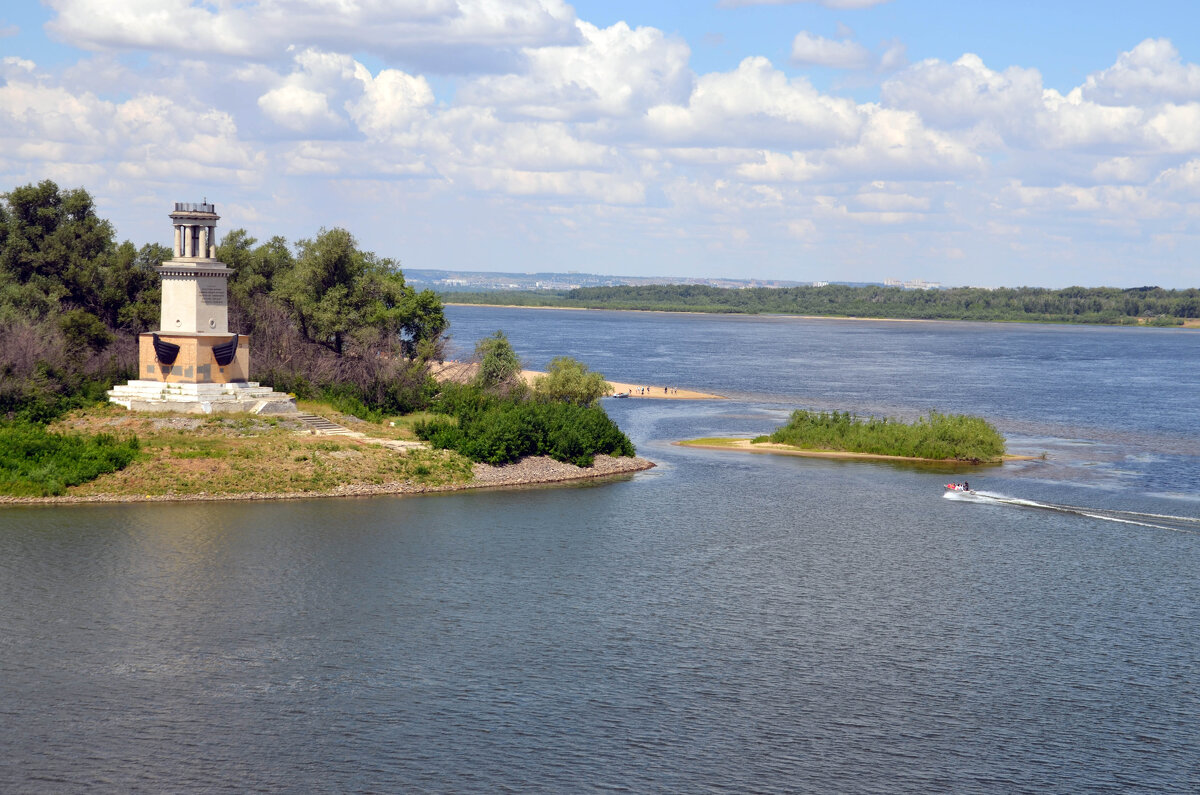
pixel 773 448
pixel 462 372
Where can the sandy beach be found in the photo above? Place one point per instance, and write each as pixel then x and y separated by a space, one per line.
pixel 462 372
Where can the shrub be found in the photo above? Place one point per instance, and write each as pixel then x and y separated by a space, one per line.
pixel 937 436
pixel 568 380
pixel 499 431
pixel 37 463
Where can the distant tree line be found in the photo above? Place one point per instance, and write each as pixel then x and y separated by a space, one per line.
pixel 1105 305
pixel 324 316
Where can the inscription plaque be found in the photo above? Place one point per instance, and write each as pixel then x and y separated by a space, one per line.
pixel 213 296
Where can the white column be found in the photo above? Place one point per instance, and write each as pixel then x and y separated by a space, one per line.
pixel 212 242
pixel 178 242
pixel 204 242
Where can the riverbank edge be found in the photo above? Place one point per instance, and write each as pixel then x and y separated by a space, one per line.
pixel 1188 323
pixel 463 371
pixel 773 448
pixel 526 473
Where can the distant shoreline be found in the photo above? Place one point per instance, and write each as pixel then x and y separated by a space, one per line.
pixel 1188 323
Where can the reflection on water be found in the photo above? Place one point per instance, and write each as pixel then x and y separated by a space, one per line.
pixel 722 623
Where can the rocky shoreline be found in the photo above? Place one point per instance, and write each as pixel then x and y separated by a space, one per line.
pixel 532 471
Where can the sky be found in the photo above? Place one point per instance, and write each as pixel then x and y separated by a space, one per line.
pixel 990 143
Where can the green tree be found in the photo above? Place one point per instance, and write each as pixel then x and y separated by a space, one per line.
pixel 128 294
pixel 336 291
pixel 569 381
pixel 499 366
pixel 53 249
pixel 255 268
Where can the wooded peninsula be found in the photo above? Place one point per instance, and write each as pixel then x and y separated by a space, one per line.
pixel 336 327
pixel 1153 306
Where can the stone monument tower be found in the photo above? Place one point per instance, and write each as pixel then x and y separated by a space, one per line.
pixel 193 363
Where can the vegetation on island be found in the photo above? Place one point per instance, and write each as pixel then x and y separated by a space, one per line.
pixel 1104 305
pixel 328 321
pixel 940 437
pixel 499 430
pixel 497 419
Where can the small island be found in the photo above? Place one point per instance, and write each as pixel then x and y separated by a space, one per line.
pixel 940 438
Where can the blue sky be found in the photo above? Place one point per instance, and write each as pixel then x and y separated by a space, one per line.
pixel 1031 143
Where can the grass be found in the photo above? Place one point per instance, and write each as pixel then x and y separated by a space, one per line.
pixel 714 441
pixel 38 463
pixel 939 437
pixel 184 455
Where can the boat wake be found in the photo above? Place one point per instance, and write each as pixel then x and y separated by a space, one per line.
pixel 1158 521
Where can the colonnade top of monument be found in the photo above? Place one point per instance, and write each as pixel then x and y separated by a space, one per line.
pixel 195 207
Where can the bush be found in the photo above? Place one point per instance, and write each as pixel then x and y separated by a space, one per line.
pixel 570 381
pixel 492 430
pixel 937 436
pixel 37 463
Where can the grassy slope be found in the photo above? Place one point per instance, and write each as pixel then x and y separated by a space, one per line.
pixel 187 454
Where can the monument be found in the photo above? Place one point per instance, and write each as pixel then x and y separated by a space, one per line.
pixel 193 363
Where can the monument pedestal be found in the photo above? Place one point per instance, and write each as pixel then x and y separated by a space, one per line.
pixel 243 397
pixel 196 361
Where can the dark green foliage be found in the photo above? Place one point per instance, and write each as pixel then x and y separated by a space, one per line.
pixel 499 431
pixel 570 381
pixel 1108 305
pixel 499 366
pixel 335 290
pixel 84 330
pixel 937 436
pixel 37 463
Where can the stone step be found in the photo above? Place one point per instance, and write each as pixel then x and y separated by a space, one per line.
pixel 324 426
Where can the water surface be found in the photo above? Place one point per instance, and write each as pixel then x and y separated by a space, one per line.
pixel 722 623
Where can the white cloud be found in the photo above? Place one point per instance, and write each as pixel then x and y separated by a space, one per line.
pixel 444 35
pixel 1012 108
pixel 1184 178
pixel 808 48
pixel 613 72
pixel 391 102
pixel 1151 72
pixel 148 136
pixel 15 66
pixel 1122 169
pixel 1177 127
pixel 301 100
pixel 297 108
pixel 755 105
pixel 963 93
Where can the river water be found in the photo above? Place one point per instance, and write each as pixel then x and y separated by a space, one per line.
pixel 722 623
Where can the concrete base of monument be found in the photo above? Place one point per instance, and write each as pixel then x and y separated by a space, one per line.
pixel 246 397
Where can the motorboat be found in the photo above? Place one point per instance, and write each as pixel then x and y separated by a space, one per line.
pixel 958 487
